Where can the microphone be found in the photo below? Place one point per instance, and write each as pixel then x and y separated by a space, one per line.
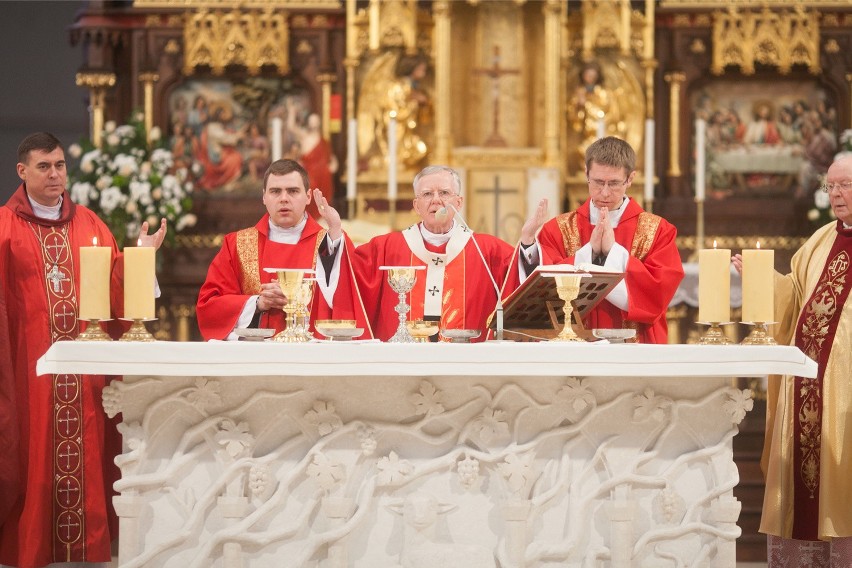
pixel 440 215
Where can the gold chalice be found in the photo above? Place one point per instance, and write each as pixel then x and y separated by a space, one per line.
pixel 290 281
pixel 422 330
pixel 568 288
pixel 401 280
pixel 304 295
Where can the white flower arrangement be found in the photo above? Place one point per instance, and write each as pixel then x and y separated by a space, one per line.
pixel 130 179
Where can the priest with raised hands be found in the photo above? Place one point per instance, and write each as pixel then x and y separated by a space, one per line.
pixel 611 230
pixel 239 293
pixel 455 287
pixel 57 445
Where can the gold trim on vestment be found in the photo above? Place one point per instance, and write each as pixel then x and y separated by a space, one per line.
pixel 247 254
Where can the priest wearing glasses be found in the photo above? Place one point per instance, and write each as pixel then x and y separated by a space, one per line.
pixel 611 230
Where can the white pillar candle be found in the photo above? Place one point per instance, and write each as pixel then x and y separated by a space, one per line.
pixel 700 158
pixel 94 282
pixel 392 189
pixel 758 285
pixel 352 159
pixel 276 125
pixel 601 126
pixel 649 159
pixel 139 283
pixel 714 285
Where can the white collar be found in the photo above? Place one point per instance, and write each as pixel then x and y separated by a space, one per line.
pixel 614 216
pixel 289 236
pixel 50 212
pixel 436 239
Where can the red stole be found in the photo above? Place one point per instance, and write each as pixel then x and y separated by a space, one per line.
pixel 815 332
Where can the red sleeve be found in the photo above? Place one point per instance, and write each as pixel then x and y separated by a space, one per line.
pixel 221 299
pixel 9 465
pixel 653 281
pixel 552 246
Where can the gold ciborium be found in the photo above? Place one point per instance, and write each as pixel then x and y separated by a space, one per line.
pixel 568 288
pixel 290 282
pixel 422 330
pixel 401 280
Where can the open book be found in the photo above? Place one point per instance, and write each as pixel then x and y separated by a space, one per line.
pixel 536 304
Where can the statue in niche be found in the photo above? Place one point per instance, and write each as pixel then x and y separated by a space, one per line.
pixel 593 106
pixel 394 83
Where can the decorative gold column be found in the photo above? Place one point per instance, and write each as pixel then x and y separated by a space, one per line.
pixel 649 63
pixel 849 79
pixel 675 81
pixel 441 15
pixel 326 79
pixel 97 82
pixel 552 93
pixel 375 25
pixel 351 61
pixel 148 79
pixel 625 28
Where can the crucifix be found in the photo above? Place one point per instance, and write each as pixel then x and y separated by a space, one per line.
pixel 56 277
pixel 496 191
pixel 494 73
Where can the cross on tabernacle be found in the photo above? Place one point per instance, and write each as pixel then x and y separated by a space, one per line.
pixel 66 420
pixel 67 490
pixel 497 191
pixel 494 73
pixel 433 290
pixel 68 455
pixel 437 261
pixel 56 277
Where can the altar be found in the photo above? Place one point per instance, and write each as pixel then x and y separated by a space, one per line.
pixel 381 455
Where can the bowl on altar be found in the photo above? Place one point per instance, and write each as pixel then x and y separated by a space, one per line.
pixel 614 335
pixel 252 334
pixel 460 335
pixel 422 330
pixel 338 330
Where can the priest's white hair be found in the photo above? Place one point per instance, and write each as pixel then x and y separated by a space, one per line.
pixel 431 170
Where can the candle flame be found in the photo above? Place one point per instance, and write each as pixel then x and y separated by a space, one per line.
pixel 94 241
pixel 392 114
pixel 138 242
pixel 758 244
pixel 714 243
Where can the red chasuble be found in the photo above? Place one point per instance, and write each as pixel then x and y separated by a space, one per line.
pixel 815 336
pixel 237 272
pixel 455 286
pixel 653 273
pixel 67 444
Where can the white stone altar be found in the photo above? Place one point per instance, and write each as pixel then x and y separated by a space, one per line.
pixel 372 455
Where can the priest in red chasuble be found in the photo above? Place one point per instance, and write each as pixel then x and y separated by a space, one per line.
pixel 807 455
pixel 61 509
pixel 455 287
pixel 613 231
pixel 239 294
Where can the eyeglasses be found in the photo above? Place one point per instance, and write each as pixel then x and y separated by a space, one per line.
pixel 612 185
pixel 441 194
pixel 843 186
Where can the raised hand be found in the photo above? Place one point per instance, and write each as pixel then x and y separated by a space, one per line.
pixel 330 214
pixel 534 223
pixel 153 240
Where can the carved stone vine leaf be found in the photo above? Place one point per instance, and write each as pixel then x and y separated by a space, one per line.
pixel 234 438
pixel 739 402
pixel 205 394
pixel 491 425
pixel 650 406
pixel 392 470
pixel 324 417
pixel 517 471
pixel 326 472
pixel 576 396
pixel 428 400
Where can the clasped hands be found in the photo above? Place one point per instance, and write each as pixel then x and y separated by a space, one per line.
pixel 603 236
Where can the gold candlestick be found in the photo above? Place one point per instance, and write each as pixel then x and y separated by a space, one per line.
pixel 138 331
pixel 93 332
pixel 759 334
pixel 568 287
pixel 714 335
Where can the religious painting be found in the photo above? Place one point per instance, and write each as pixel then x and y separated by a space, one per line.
pixel 234 130
pixel 766 140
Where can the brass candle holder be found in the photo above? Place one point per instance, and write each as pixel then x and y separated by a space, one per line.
pixel 759 334
pixel 568 288
pixel 93 332
pixel 138 331
pixel 714 335
pixel 401 280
